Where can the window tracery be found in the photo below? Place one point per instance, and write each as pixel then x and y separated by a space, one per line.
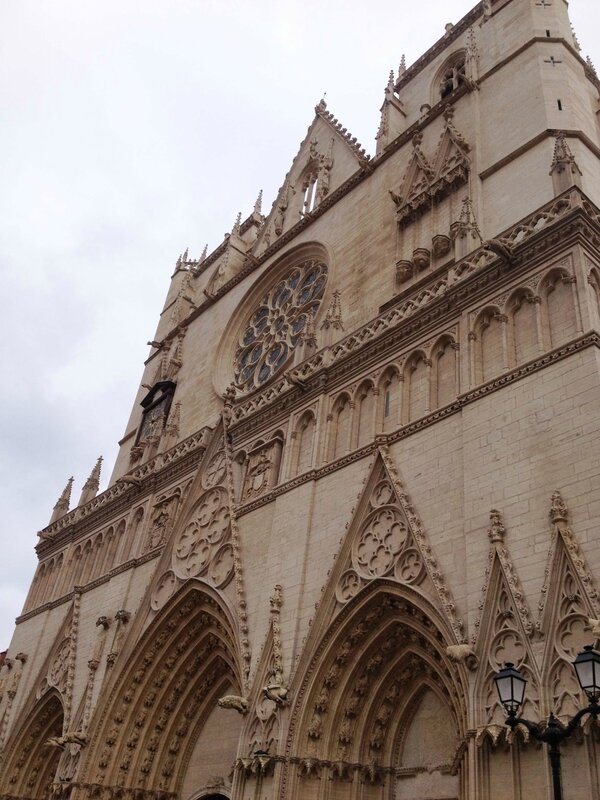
pixel 275 328
pixel 453 76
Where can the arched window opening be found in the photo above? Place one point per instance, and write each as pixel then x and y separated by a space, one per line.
pixel 417 386
pixel 310 193
pixel 560 308
pixel 453 76
pixel 594 282
pixel 305 434
pixel 341 422
pixel 523 314
pixel 489 338
pixel 366 411
pixel 390 400
pixel 444 362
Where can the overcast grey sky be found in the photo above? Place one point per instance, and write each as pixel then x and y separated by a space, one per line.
pixel 130 130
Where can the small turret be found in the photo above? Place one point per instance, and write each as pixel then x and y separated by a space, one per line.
pixel 62 504
pixel 392 113
pixel 91 486
pixel 564 170
pixel 332 324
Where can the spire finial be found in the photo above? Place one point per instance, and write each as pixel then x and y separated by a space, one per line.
pixel 558 508
pixel 391 81
pixel 402 67
pixel 185 255
pixel 575 39
pixel 333 318
pixel 258 203
pixel 91 486
pixel 62 504
pixel 204 253
pixel 237 223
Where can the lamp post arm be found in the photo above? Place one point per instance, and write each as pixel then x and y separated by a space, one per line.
pixel 534 728
pixel 593 709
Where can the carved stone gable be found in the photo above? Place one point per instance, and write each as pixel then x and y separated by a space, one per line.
pixel 386 540
pixel 568 612
pixel 502 634
pixel 427 181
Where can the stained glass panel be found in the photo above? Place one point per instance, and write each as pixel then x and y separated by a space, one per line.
pixel 272 331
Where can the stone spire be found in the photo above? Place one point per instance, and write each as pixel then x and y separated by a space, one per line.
pixel 308 340
pixel 564 170
pixel 575 39
pixel 62 504
pixel 402 67
pixel 91 486
pixel 258 203
pixel 591 66
pixel 465 232
pixel 333 318
pixel 237 224
pixel 392 114
pixel 472 56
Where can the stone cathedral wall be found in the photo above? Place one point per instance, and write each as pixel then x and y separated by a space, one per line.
pixel 301 585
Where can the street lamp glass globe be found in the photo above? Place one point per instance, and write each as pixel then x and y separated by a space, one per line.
pixel 587 667
pixel 511 687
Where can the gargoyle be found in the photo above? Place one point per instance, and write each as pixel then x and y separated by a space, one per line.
pixel 462 653
pixel 500 248
pixel 240 704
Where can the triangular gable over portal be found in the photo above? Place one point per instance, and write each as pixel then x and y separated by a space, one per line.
pixel 386 540
pixel 327 157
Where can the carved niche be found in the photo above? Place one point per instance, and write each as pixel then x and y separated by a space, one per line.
pixel 262 469
pixel 161 520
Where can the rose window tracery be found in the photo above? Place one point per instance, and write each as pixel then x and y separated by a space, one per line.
pixel 275 328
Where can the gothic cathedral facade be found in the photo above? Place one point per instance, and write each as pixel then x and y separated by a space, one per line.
pixel 361 472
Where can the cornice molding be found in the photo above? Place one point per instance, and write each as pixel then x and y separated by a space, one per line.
pixel 132 563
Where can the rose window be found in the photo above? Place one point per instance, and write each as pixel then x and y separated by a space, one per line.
pixel 276 326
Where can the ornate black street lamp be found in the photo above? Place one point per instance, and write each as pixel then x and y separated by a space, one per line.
pixel 511 688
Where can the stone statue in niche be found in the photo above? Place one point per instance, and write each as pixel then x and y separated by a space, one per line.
pixel 263 468
pixel 161 521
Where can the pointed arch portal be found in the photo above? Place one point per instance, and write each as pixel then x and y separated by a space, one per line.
pixel 166 698
pixel 366 706
pixel 31 764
